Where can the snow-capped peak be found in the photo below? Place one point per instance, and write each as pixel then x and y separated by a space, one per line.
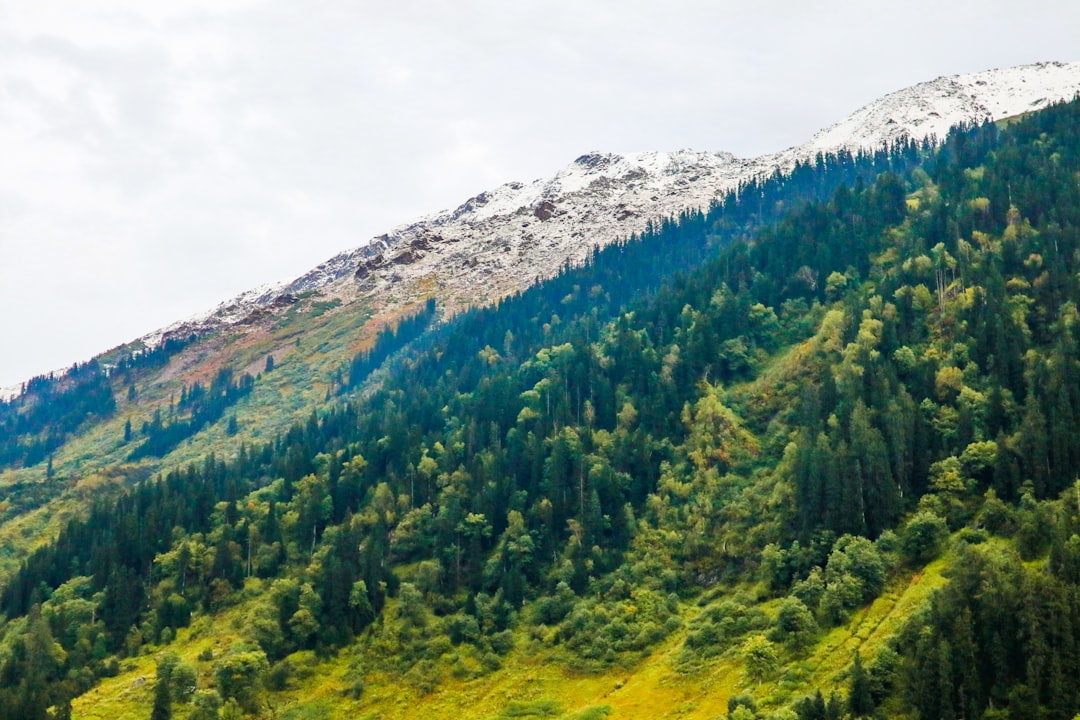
pixel 501 240
pixel 931 108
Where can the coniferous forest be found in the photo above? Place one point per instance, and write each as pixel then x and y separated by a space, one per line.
pixel 730 437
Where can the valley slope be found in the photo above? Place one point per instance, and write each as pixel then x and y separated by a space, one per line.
pixel 714 468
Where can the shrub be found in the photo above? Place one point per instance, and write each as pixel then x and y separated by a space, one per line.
pixel 760 658
pixel 239 675
pixel 795 624
pixel 923 536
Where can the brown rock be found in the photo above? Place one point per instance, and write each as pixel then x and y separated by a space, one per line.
pixel 545 210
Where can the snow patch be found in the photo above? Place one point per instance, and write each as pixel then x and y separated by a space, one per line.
pixel 502 240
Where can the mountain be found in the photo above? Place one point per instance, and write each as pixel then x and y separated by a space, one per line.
pixel 500 241
pixel 809 454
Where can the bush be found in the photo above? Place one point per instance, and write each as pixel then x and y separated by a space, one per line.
pixel 744 701
pixel 600 630
pixel 424 676
pixel 355 678
pixel 552 609
pixel 719 627
pixel 462 628
pixel 759 656
pixel 490 662
pixel 356 688
pixel 923 536
pixel 205 706
pixel 278 677
pixel 502 642
pixel 184 681
pixel 841 595
pixel 531 709
pixel 859 558
pixel 795 624
pixel 996 516
pixel 239 675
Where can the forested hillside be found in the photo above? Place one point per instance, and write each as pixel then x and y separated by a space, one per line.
pixel 718 448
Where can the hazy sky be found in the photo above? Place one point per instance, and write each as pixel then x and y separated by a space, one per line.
pixel 159 157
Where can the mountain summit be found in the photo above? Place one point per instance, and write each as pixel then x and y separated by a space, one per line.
pixel 502 240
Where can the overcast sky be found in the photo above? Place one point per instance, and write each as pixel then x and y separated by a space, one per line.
pixel 159 157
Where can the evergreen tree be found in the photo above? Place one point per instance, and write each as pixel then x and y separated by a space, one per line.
pixel 162 709
pixel 860 701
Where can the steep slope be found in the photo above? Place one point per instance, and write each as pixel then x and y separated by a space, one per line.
pixel 587 481
pixel 500 241
pixel 733 492
pixel 931 108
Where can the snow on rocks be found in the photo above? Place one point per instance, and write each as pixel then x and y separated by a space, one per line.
pixel 502 240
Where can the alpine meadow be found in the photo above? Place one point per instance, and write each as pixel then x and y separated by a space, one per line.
pixel 810 451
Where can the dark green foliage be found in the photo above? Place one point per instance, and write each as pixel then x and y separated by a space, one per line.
pixel 586 451
pixel 999 634
pixel 853 575
pixel 740 701
pixel 162 709
pixel 61 709
pixel 812 708
pixel 183 682
pixel 387 342
pixel 205 706
pixel 722 627
pixel 151 357
pixel 239 676
pixel 203 405
pixel 860 700
pixel 795 624
pixel 49 409
pixel 923 536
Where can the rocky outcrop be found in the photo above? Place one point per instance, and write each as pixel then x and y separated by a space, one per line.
pixel 500 241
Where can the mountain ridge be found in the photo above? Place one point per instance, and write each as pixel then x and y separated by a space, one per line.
pixel 500 241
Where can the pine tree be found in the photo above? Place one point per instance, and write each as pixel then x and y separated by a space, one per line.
pixel 860 701
pixel 162 709
pixel 812 708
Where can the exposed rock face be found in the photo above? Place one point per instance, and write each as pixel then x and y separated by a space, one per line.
pixel 544 210
pixel 502 240
pixel 406 257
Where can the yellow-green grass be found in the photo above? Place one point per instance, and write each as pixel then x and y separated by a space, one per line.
pixel 95 462
pixel 535 677
pixel 870 627
pixel 130 695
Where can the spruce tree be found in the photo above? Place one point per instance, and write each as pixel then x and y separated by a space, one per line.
pixel 860 701
pixel 162 709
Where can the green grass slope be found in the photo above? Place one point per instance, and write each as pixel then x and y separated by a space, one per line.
pixel 827 471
